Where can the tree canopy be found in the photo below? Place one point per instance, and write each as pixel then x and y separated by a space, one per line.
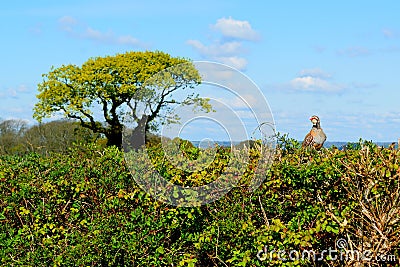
pixel 98 92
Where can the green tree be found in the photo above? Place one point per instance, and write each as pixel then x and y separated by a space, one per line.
pixel 107 85
pixel 11 133
pixel 56 136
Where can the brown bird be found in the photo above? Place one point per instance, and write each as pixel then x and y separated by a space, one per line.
pixel 316 137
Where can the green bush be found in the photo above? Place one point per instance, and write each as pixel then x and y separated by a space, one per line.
pixel 83 208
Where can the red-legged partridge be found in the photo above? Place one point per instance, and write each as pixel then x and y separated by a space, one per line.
pixel 316 137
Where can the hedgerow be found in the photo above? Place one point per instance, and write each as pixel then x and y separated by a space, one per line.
pixel 84 208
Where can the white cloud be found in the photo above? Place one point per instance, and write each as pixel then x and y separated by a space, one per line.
pixel 391 117
pixel 238 29
pixel 67 23
pixel 376 126
pixel 314 84
pixel 128 40
pixel 110 38
pixel 97 35
pixel 227 53
pixel 218 49
pixel 71 26
pixel 239 63
pixel 312 80
pixel 229 49
pixel 316 72
pixel 15 92
pixel 240 103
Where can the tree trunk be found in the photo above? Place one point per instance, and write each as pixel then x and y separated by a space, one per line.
pixel 137 138
pixel 115 138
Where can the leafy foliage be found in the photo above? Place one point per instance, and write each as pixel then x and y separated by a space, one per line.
pixel 110 84
pixel 83 208
pixel 17 137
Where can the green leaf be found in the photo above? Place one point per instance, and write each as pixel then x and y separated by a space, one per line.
pixel 160 250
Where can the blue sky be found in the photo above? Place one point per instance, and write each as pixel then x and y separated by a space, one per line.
pixel 339 60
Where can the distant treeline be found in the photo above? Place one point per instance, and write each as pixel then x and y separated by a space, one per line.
pixel 18 137
pixel 339 145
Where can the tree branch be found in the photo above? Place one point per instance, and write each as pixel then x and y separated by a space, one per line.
pixel 135 117
pixel 113 109
pixel 160 104
pixel 105 110
pixel 90 125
